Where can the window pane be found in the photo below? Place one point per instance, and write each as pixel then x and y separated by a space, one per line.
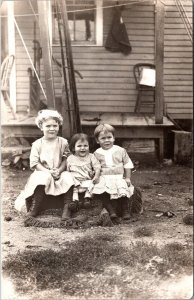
pixel 81 19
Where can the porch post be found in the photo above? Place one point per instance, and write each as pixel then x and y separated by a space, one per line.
pixel 11 51
pixel 43 11
pixel 159 61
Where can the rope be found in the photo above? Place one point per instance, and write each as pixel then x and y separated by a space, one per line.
pixel 30 3
pixel 86 9
pixel 29 57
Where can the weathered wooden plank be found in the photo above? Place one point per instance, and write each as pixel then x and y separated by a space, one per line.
pixel 181 94
pixel 178 49
pixel 113 98
pixel 180 115
pixel 105 92
pixel 187 43
pixel 107 109
pixel 184 83
pixel 121 62
pixel 174 26
pixel 176 31
pixel 106 80
pixel 179 105
pixel 104 85
pixel 176 14
pixel 116 102
pixel 142 26
pixel 181 54
pixel 178 77
pixel 108 56
pixel 178 66
pixel 177 37
pixel 180 110
pixel 159 58
pixel 177 88
pixel 178 72
pixel 173 20
pixel 139 19
pixel 177 60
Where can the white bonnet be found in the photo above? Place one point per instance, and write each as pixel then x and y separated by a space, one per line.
pixel 46 114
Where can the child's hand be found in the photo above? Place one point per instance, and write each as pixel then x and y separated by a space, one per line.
pixel 96 179
pixel 55 173
pixel 128 181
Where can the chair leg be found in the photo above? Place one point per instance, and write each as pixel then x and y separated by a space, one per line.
pixel 138 102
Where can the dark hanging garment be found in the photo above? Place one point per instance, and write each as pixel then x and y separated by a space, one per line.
pixel 117 39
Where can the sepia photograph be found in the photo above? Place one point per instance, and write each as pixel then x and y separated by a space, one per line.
pixel 96 149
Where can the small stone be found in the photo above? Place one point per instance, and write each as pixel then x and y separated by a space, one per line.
pixel 167 162
pixel 188 219
pixel 7 218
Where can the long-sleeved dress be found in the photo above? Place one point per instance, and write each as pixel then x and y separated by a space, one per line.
pixel 113 162
pixel 50 154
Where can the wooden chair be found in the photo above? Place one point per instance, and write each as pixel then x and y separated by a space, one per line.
pixel 143 88
pixel 6 68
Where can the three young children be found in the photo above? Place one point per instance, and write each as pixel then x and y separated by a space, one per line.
pixel 71 170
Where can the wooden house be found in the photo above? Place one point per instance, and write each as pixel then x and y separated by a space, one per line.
pixel 159 32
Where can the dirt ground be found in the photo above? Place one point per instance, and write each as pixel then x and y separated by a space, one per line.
pixel 165 189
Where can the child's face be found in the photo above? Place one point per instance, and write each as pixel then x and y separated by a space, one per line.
pixel 81 148
pixel 106 140
pixel 50 129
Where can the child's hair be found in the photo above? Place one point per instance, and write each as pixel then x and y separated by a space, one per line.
pixel 76 137
pixel 103 128
pixel 46 114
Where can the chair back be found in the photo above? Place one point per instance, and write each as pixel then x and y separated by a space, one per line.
pixel 6 68
pixel 137 71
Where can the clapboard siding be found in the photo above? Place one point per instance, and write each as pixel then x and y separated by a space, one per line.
pixel 108 84
pixel 26 27
pixel 177 62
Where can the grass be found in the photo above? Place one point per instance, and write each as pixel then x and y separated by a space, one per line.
pixel 82 266
pixel 143 231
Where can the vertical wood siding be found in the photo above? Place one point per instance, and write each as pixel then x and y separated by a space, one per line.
pixel 108 84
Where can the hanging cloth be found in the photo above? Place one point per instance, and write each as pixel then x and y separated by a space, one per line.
pixel 117 39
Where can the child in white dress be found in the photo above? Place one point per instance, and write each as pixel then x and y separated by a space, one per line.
pixel 48 161
pixel 115 176
pixel 85 169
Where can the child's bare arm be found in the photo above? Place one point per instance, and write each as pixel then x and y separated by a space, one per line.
pixel 97 168
pixel 127 175
pixel 63 166
pixel 96 176
pixel 40 167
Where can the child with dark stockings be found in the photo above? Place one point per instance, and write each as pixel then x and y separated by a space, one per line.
pixel 48 161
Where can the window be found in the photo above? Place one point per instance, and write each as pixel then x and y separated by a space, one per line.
pixel 85 22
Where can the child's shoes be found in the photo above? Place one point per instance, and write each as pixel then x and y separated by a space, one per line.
pixel 87 203
pixel 109 207
pixel 73 206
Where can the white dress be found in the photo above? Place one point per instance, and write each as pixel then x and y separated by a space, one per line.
pixel 113 162
pixel 50 154
pixel 83 170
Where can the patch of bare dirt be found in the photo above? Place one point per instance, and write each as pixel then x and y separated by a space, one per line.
pixel 167 195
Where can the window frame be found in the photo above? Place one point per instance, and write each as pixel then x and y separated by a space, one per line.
pixel 98 29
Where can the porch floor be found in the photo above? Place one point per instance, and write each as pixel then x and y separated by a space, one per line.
pixel 95 118
pixel 128 126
